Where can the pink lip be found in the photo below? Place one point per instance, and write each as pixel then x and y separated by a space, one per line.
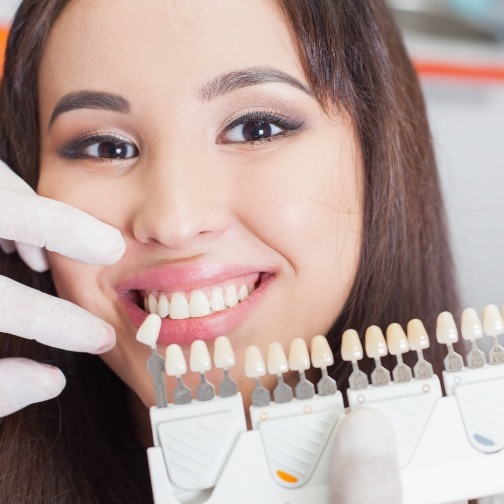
pixel 184 332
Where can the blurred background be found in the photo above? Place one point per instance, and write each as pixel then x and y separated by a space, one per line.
pixel 458 49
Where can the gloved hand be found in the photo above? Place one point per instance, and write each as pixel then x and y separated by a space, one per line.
pixel 30 223
pixel 365 468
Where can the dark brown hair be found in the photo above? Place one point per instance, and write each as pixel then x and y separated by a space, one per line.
pixel 80 448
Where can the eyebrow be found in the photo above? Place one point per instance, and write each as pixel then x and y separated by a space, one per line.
pixel 89 100
pixel 228 82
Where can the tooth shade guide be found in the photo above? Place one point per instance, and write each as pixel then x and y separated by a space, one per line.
pixel 351 350
pixel 376 348
pixel 277 364
pixel 397 344
pixel 148 332
pixel 418 340
pixel 224 358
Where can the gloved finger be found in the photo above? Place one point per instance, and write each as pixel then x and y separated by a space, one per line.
pixel 34 315
pixel 24 382
pixel 34 257
pixel 45 223
pixel 365 468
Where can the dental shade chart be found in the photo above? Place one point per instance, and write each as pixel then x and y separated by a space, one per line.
pixel 450 447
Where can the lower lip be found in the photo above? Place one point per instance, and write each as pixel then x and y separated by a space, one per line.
pixel 184 332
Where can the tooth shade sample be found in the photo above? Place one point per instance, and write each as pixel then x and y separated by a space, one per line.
pixel 277 360
pixel 152 303
pixel 376 346
pixel 175 363
pixel 418 339
pixel 351 346
pixel 254 363
pixel 179 307
pixel 492 321
pixel 199 306
pixel 299 359
pixel 243 293
pixel 217 299
pixel 446 329
pixel 148 332
pixel 230 296
pixel 224 356
pixel 199 358
pixel 397 342
pixel 471 327
pixel 321 353
pixel 163 308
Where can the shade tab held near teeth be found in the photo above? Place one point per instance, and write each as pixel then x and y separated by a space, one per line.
pixel 199 358
pixel 148 332
pixel 224 356
pixel 175 363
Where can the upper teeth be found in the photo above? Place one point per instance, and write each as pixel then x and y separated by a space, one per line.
pixel 178 305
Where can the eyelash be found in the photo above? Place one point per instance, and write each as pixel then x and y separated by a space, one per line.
pixel 75 149
pixel 286 124
pixel 263 122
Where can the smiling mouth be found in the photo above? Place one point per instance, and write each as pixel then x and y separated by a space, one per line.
pixel 202 302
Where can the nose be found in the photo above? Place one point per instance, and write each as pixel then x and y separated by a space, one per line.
pixel 181 204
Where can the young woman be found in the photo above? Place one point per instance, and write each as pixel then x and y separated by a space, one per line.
pixel 276 149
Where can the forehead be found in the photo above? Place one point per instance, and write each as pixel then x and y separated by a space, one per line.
pixel 172 44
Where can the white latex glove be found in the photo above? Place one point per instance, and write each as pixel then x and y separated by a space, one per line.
pixel 365 468
pixel 31 223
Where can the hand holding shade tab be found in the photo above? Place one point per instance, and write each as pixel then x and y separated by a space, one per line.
pixel 31 225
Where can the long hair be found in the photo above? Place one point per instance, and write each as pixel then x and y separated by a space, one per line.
pixel 80 448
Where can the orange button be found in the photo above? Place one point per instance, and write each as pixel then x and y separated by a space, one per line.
pixel 289 478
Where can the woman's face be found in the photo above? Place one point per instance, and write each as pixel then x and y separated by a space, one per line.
pixel 191 127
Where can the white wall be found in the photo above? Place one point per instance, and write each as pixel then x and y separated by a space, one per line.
pixel 7 10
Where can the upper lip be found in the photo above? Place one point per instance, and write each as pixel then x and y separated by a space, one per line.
pixel 183 278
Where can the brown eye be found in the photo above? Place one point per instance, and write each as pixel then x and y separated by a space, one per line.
pixel 111 150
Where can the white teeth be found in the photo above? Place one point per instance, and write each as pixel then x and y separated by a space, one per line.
pixel 199 303
pixel 152 303
pixel 148 332
pixel 243 293
pixel 217 299
pixel 231 296
pixel 179 307
pixel 163 308
pixel 199 306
